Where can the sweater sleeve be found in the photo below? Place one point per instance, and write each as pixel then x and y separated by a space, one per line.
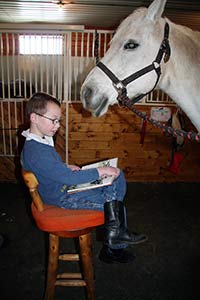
pixel 44 161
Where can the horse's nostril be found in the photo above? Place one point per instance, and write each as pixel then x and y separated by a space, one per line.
pixel 86 95
pixel 87 92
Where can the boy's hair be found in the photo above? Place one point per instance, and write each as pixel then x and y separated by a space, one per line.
pixel 38 103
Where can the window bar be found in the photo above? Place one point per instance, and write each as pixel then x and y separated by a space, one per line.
pixel 14 85
pixel 150 97
pixel 47 57
pixel 56 69
pixel 66 39
pixel 53 69
pixel 30 68
pixel 19 70
pixel 66 75
pixel 158 95
pixel 8 64
pixel 22 111
pixel 10 127
pixel 75 66
pixel 41 65
pixel 162 97
pixel 99 48
pixel 62 60
pixel 81 61
pixel 24 70
pixel 93 43
pixel 105 43
pixel 16 123
pixel 69 54
pixel 13 64
pixel 60 65
pixel 88 44
pixel 36 63
pixel 9 94
pixel 3 128
pixel 2 69
pixel 87 59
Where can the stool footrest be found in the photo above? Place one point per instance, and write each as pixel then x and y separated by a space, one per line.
pixel 70 275
pixel 69 257
pixel 72 283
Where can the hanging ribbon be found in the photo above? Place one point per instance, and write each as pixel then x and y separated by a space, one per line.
pixel 143 131
pixel 177 144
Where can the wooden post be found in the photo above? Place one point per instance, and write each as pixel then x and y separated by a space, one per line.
pixel 87 264
pixel 52 266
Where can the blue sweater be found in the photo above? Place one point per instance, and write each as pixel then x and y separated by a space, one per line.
pixel 52 173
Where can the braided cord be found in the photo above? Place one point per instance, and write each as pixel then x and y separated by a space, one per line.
pixel 96 47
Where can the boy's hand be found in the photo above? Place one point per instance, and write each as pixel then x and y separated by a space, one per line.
pixel 108 171
pixel 74 167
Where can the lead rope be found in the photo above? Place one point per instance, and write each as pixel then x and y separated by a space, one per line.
pixel 167 129
pixel 96 47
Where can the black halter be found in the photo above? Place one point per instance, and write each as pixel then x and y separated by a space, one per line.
pixel 120 85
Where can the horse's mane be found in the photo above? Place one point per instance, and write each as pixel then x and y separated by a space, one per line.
pixel 192 34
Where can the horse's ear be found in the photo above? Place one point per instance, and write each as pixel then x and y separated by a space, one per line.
pixel 156 9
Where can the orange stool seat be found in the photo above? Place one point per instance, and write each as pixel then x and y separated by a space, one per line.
pixel 54 218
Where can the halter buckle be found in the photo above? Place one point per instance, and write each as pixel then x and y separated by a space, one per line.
pixel 119 87
pixel 121 90
pixel 156 65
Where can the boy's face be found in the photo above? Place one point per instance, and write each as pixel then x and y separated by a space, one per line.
pixel 48 123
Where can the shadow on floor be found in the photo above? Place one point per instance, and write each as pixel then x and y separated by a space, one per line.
pixel 166 266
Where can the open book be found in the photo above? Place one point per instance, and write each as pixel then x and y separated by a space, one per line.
pixel 103 181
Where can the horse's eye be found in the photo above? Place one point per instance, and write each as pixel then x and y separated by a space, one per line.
pixel 130 45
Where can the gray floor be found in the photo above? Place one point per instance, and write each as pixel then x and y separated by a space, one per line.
pixel 166 266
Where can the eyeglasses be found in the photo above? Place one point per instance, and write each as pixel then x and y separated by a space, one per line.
pixel 54 121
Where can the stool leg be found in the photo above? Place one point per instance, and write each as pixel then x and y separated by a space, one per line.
pixel 52 266
pixel 85 242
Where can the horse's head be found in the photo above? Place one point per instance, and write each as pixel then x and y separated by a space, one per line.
pixel 134 46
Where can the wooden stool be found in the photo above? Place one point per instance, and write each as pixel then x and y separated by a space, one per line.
pixel 65 223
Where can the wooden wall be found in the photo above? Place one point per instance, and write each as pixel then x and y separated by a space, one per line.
pixel 117 134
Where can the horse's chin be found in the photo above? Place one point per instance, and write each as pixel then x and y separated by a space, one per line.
pixel 101 109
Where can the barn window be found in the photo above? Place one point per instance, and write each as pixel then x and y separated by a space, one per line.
pixel 41 44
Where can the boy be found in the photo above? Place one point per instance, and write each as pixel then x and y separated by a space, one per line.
pixel 54 176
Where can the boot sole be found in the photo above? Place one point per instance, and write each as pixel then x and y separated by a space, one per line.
pixel 122 242
pixel 136 242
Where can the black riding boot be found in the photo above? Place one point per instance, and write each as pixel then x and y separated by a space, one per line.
pixel 116 231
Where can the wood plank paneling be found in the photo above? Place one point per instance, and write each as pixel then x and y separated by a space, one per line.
pixel 118 134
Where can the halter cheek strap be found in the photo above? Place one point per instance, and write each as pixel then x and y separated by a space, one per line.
pixel 120 86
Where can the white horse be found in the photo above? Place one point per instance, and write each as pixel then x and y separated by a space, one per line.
pixel 134 47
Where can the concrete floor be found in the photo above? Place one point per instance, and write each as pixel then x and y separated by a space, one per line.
pixel 166 266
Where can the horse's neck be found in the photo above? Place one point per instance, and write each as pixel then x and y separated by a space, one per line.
pixel 185 58
pixel 181 80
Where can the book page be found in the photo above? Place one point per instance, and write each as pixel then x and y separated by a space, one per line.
pixel 105 163
pixel 103 181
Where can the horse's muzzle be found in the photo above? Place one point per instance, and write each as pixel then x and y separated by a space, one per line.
pixel 93 103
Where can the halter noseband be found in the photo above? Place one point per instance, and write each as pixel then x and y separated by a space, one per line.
pixel 120 85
